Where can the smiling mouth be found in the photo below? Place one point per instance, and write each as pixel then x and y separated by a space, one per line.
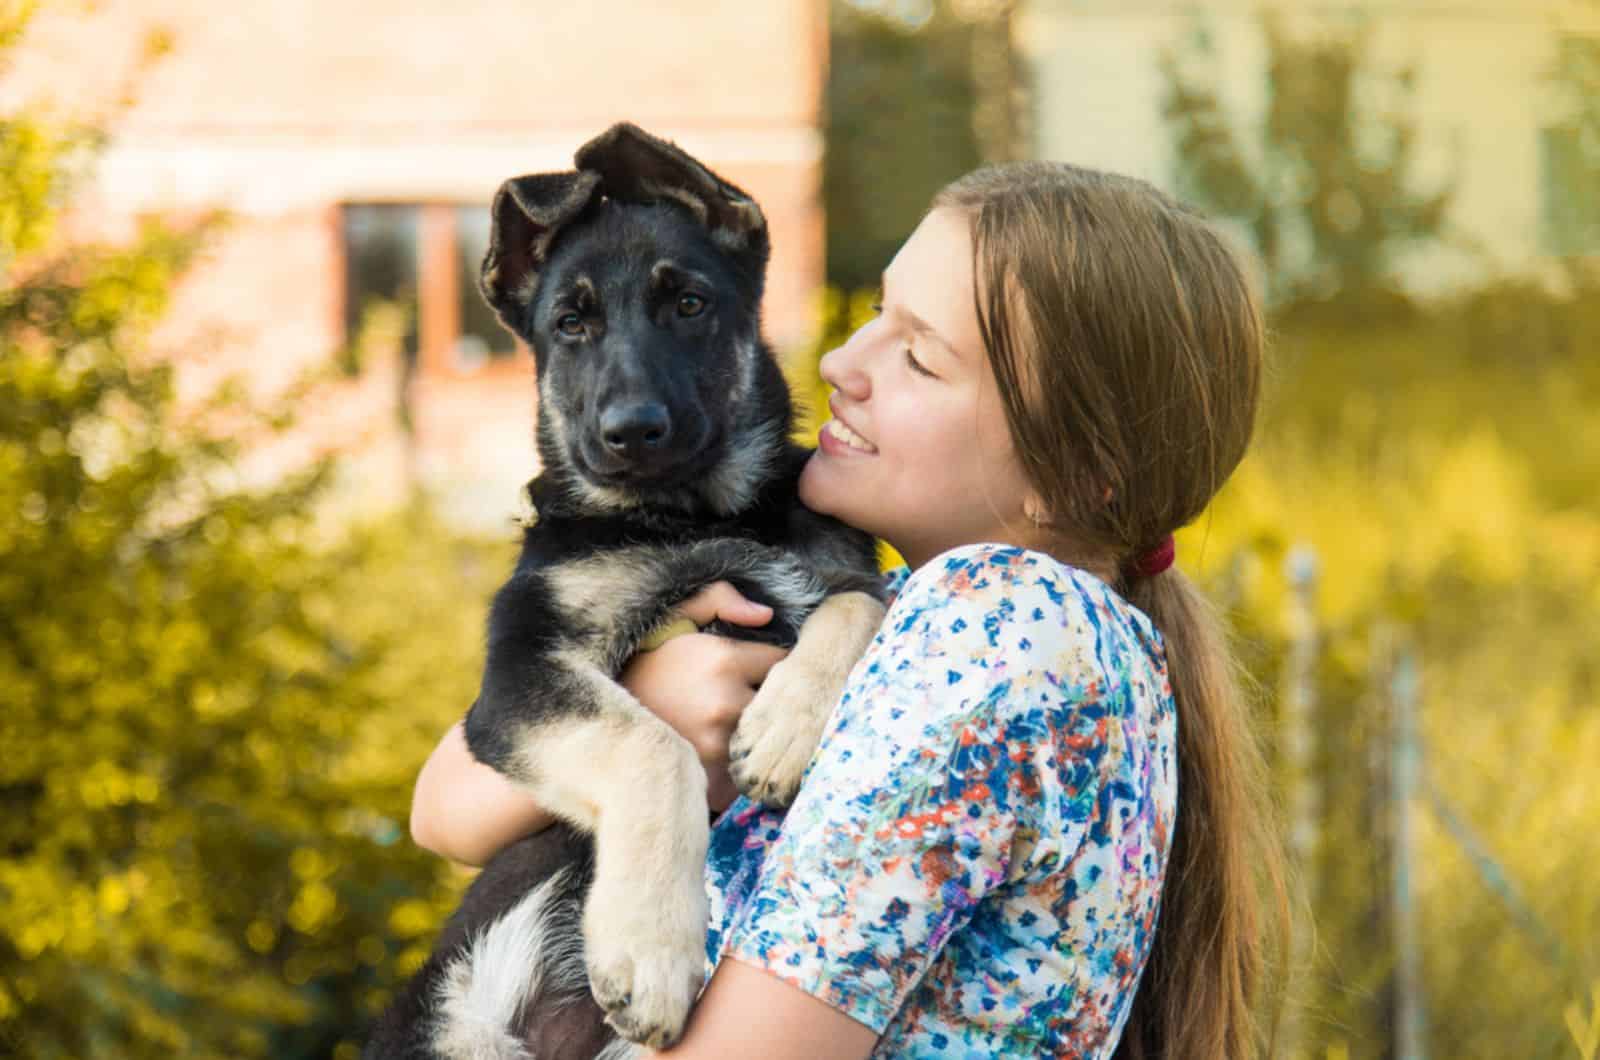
pixel 837 430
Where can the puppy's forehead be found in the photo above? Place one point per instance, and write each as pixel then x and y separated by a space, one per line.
pixel 590 279
pixel 632 240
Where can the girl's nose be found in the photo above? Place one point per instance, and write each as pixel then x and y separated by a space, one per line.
pixel 841 369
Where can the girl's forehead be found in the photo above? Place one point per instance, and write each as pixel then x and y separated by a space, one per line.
pixel 943 238
pixel 931 278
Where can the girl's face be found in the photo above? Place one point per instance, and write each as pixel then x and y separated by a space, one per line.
pixel 917 451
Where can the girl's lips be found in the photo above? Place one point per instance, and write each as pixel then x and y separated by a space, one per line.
pixel 836 439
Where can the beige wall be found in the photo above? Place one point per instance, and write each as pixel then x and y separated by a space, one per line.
pixel 280 111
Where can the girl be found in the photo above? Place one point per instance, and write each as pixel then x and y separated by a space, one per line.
pixel 1044 748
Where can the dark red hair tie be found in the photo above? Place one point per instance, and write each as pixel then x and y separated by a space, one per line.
pixel 1154 560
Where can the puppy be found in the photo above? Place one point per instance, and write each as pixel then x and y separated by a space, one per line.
pixel 664 435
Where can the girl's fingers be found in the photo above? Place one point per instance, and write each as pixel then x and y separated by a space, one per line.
pixel 720 600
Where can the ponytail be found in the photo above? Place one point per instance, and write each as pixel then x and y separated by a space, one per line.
pixel 1206 993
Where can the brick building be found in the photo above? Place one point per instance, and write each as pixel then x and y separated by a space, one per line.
pixel 357 145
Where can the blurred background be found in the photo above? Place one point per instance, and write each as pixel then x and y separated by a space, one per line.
pixel 261 447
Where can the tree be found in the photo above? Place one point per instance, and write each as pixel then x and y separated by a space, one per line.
pixel 211 708
pixel 1324 184
pixel 900 102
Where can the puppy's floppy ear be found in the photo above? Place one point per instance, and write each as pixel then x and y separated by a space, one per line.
pixel 637 167
pixel 527 214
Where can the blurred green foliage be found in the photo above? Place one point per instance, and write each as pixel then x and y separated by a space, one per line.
pixel 1443 495
pixel 212 705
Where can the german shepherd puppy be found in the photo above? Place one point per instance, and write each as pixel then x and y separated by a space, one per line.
pixel 664 434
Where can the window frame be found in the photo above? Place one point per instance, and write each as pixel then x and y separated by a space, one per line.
pixel 438 293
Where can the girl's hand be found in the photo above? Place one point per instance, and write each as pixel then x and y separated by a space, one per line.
pixel 700 683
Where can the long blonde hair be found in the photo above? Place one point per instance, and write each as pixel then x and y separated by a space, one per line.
pixel 1126 339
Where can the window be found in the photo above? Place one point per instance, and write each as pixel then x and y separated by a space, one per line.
pixel 380 265
pixel 1569 152
pixel 480 334
pixel 1569 178
pixel 424 257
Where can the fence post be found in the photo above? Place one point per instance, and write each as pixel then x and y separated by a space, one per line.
pixel 1297 734
pixel 1403 691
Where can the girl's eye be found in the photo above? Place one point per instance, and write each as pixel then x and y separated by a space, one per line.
pixel 570 325
pixel 916 365
pixel 691 305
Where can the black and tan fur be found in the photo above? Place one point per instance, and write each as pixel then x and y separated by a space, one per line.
pixel 664 428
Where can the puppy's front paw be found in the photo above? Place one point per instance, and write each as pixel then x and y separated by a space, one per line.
pixel 779 730
pixel 646 960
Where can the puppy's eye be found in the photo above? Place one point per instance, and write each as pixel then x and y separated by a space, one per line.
pixel 570 325
pixel 691 305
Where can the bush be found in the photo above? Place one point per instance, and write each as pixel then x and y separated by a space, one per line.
pixel 212 707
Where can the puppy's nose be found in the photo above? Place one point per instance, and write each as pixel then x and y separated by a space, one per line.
pixel 633 430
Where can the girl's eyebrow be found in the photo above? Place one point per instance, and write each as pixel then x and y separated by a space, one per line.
pixel 915 323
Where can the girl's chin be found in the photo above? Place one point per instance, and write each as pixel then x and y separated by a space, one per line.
pixel 814 494
pixel 822 491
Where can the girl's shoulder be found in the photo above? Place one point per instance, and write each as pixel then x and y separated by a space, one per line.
pixel 1000 629
pixel 1008 582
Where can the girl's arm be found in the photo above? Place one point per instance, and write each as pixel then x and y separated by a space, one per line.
pixel 793 1024
pixel 697 683
pixel 465 811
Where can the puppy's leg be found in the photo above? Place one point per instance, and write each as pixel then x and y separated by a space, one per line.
pixel 779 730
pixel 617 771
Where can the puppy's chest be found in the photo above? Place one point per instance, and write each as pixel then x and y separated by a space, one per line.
pixel 601 577
pixel 560 542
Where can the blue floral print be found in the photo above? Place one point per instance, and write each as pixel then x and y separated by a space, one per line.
pixel 973 866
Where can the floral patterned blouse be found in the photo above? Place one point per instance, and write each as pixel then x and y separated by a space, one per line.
pixel 973 866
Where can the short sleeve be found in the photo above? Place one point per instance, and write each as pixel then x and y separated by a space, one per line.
pixel 951 768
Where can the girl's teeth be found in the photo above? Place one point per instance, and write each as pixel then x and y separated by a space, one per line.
pixel 849 437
